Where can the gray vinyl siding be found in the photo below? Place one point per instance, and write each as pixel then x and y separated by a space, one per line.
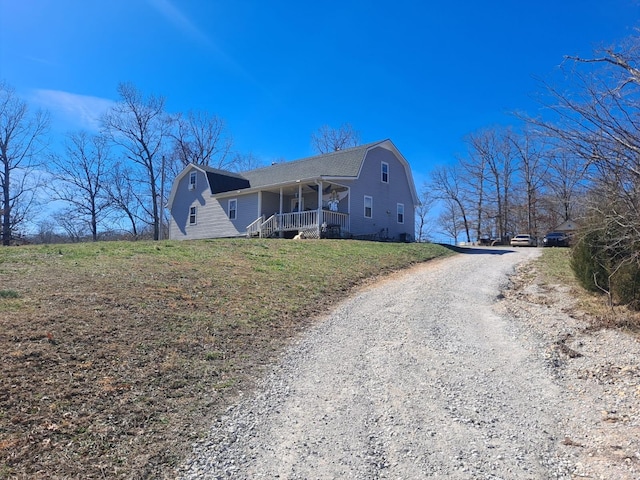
pixel 179 227
pixel 211 213
pixel 311 201
pixel 270 204
pixel 247 211
pixel 386 197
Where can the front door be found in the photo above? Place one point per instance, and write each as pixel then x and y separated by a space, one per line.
pixel 297 204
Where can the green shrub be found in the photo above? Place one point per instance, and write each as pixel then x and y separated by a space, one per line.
pixel 588 262
pixel 626 283
pixel 601 266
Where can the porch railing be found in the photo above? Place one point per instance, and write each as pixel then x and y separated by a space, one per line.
pixel 336 219
pixel 254 229
pixel 269 226
pixel 297 220
pixel 307 220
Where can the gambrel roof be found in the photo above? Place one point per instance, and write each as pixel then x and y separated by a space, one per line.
pixel 221 181
pixel 342 164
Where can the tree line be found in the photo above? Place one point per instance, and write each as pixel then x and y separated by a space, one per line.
pixel 509 182
pixel 120 176
pixel 580 161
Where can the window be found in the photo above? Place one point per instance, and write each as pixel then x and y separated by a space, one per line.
pixel 384 172
pixel 192 216
pixel 192 180
pixel 233 209
pixel 401 213
pixel 368 207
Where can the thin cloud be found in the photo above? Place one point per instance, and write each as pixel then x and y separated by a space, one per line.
pixel 73 110
pixel 42 61
pixel 181 21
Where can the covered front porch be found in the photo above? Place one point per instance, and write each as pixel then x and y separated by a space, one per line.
pixel 314 210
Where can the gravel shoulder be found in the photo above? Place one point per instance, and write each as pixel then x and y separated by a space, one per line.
pixel 432 372
pixel 598 371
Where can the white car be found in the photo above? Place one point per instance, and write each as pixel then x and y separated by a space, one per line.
pixel 524 240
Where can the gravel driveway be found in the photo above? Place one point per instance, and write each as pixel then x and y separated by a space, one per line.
pixel 416 376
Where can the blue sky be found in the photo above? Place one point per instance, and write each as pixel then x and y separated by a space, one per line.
pixel 422 73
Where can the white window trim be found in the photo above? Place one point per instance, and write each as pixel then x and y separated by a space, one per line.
pixel 193 176
pixel 365 206
pixel 398 207
pixel 382 165
pixel 194 215
pixel 235 210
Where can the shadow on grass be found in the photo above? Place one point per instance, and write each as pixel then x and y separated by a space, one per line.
pixel 478 250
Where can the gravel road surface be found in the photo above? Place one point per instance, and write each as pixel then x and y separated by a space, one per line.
pixel 416 376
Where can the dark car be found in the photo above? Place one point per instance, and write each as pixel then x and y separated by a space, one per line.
pixel 555 239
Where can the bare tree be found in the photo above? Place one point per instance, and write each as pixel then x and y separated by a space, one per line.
pixel 122 194
pixel 494 148
pixel 21 136
pixel 328 139
pixel 530 153
pixel 139 126
pixel 445 184
pixel 46 231
pixel 80 175
pixel 474 175
pixel 565 182
pixel 74 226
pixel 449 220
pixel 427 200
pixel 243 162
pixel 202 139
pixel 599 123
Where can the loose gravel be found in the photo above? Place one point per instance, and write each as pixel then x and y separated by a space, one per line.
pixel 429 373
pixel 598 370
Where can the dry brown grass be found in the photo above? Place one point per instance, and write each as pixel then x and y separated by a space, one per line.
pixel 593 307
pixel 117 356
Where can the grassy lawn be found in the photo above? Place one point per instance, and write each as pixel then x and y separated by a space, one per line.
pixel 554 265
pixel 117 356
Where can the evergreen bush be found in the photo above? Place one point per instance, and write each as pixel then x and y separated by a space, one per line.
pixel 588 262
pixel 627 285
pixel 602 267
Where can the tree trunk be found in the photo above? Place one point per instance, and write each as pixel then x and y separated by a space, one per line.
pixel 6 210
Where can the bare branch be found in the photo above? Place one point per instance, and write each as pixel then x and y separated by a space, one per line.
pixel 21 141
pixel 139 126
pixel 328 139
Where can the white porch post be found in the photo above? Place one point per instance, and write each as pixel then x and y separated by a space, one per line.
pixel 280 215
pixel 320 219
pixel 349 209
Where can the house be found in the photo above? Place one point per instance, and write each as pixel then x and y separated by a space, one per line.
pixel 362 192
pixel 567 227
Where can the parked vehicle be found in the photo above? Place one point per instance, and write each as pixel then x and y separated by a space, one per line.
pixel 555 239
pixel 524 240
pixel 487 241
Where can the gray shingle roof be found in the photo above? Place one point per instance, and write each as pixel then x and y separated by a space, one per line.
pixel 343 163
